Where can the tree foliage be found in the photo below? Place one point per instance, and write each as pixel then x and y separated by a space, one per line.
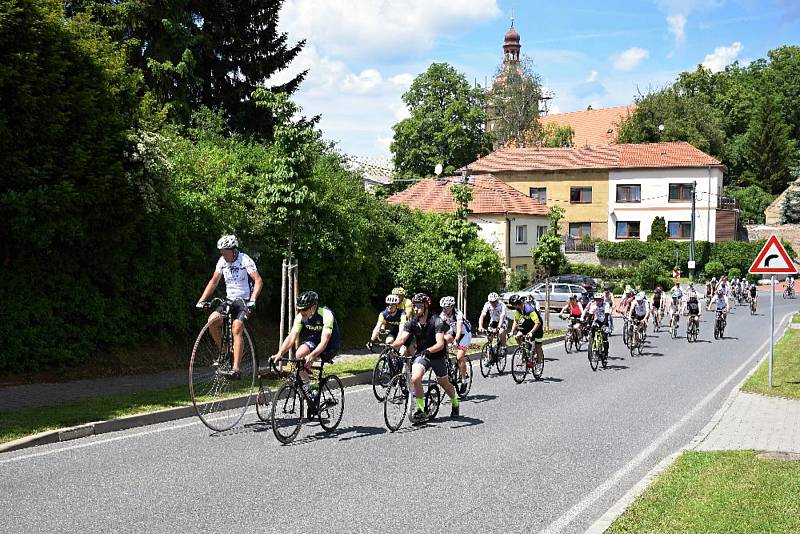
pixel 447 124
pixel 752 201
pixel 513 102
pixel 658 230
pixel 790 207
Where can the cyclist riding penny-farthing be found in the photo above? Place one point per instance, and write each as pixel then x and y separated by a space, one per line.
pixel 428 331
pixel 237 269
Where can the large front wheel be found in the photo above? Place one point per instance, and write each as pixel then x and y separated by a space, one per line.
pixel 209 381
pixel 519 365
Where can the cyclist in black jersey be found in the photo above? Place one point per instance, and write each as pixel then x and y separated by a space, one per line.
pixel 429 331
pixel 392 319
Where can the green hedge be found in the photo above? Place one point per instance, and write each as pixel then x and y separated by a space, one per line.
pixel 601 271
pixel 731 254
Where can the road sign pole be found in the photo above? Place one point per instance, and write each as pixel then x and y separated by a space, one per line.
pixel 771 325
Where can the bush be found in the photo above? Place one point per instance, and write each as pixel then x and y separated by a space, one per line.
pixel 714 269
pixel 734 272
pixel 658 230
pixel 649 273
pixel 518 280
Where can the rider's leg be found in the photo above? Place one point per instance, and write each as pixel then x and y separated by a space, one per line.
pixel 539 351
pixel 462 362
pixel 417 372
pixel 501 337
pixel 238 341
pixel 303 351
pixel 215 328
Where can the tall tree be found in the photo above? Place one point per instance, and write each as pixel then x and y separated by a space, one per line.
pixel 513 102
pixel 769 151
pixel 203 52
pixel 446 124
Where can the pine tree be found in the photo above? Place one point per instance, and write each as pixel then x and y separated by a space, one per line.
pixel 790 208
pixel 658 230
pixel 769 150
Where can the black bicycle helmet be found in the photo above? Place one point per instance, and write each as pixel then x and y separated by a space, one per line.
pixel 515 299
pixel 421 298
pixel 306 300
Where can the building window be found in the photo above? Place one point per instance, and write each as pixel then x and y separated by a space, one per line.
pixel 540 230
pixel 521 268
pixel 580 195
pixel 629 193
pixel 522 234
pixel 680 192
pixel 679 229
pixel 539 193
pixel 627 230
pixel 579 230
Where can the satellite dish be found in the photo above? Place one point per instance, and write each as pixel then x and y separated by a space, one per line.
pixel 438 169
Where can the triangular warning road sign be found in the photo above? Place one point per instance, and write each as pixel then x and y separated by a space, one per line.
pixel 773 259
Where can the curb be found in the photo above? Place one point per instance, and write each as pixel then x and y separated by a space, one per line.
pixel 619 507
pixel 161 416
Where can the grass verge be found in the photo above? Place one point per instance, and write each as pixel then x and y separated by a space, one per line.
pixel 786 370
pixel 731 492
pixel 15 424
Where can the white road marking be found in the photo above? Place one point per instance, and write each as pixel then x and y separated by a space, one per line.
pixel 570 515
pixel 127 436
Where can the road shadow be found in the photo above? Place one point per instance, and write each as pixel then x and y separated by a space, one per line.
pixel 358 432
pixel 616 367
pixel 698 340
pixel 551 359
pixel 463 421
pixel 656 354
pixel 548 379
pixel 478 399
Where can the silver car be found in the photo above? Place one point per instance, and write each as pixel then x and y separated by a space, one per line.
pixel 559 293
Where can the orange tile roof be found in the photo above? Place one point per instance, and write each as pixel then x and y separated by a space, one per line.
pixel 490 196
pixel 628 156
pixel 592 126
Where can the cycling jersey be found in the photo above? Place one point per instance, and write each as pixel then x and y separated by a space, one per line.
pixel 656 300
pixel 693 307
pixel 753 291
pixel 640 309
pixel 310 330
pixel 574 310
pixel 720 302
pixel 407 306
pixel 494 312
pixel 392 320
pixel 425 334
pixel 237 275
pixel 528 319
pixel 601 313
pixel 453 318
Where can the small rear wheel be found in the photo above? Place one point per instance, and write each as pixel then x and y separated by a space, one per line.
pixel 331 402
pixel 263 408
pixel 519 365
pixel 287 413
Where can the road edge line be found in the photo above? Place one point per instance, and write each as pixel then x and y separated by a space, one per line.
pixel 619 507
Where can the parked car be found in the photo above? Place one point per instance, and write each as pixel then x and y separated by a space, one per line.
pixel 586 282
pixel 559 293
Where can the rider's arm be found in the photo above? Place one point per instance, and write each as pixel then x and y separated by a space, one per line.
pixel 258 285
pixel 480 320
pixel 210 287
pixel 378 326
pixel 459 327
pixel 290 339
pixel 565 309
pixel 537 324
pixel 440 343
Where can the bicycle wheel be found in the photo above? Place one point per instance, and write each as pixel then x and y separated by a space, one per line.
pixel 785 293
pixel 716 330
pixel 568 341
pixel 263 407
pixel 500 357
pixel 395 405
pixel 752 308
pixel 381 376
pixel 576 343
pixel 287 413
pixel 604 357
pixel 331 402
pixel 632 343
pixel 209 387
pixel 433 398
pixel 486 360
pixel 639 346
pixel 465 384
pixel 592 357
pixel 626 334
pixel 519 365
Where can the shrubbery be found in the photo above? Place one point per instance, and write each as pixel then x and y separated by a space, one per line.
pixel 714 269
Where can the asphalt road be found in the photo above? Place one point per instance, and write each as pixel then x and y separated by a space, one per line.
pixel 541 456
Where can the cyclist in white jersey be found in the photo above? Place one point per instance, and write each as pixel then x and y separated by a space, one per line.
pixel 640 310
pixel 496 310
pixel 237 268
pixel 460 334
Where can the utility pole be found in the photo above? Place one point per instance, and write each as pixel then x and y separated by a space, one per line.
pixel 691 242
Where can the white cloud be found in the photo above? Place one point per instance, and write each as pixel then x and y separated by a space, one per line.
pixel 403 80
pixel 367 81
pixel 630 58
pixel 399 110
pixel 677 27
pixel 722 56
pixel 592 76
pixel 370 29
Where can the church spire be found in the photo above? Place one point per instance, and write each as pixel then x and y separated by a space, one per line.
pixel 511 46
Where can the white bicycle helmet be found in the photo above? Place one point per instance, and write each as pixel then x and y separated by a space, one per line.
pixel 640 296
pixel 447 301
pixel 227 241
pixel 392 299
pixel 493 297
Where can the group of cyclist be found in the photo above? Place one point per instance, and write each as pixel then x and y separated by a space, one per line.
pixel 410 324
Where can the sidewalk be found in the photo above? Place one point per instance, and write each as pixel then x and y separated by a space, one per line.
pixel 757 422
pixel 31 395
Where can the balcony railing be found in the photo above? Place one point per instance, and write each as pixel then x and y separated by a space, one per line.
pixel 727 203
pixel 577 244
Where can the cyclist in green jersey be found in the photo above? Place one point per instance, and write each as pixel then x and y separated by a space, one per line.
pixel 391 319
pixel 528 320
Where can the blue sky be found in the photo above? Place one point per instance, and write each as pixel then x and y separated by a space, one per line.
pixel 363 54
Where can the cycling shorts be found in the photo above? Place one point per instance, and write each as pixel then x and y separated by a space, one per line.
pixel 637 317
pixel 238 310
pixel 439 365
pixel 327 356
